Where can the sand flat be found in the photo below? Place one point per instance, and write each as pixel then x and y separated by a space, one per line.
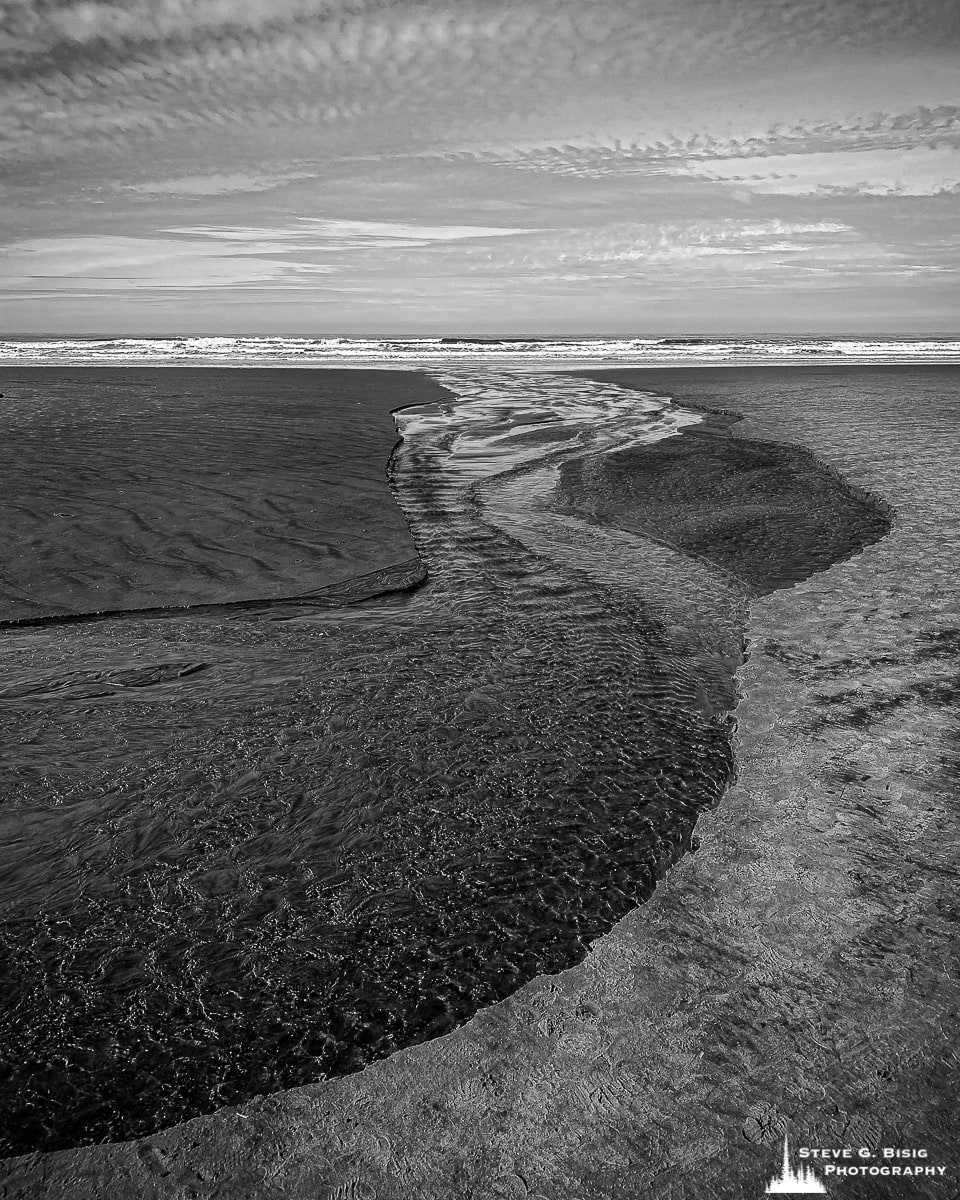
pixel 133 489
pixel 793 972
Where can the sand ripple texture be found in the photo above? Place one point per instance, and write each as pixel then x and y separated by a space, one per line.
pixel 132 489
pixel 247 851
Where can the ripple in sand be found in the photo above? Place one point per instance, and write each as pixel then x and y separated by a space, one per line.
pixel 359 828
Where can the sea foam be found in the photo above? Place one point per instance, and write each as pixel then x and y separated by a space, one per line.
pixel 500 352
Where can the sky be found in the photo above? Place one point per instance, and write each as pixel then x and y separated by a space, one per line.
pixel 358 167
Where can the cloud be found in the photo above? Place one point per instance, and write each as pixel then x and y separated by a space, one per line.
pixel 123 74
pixel 116 263
pixel 673 141
pixel 678 250
pixel 711 153
pixel 317 233
pixel 215 184
pixel 191 258
pixel 108 74
pixel 913 171
pixel 158 20
pixel 389 262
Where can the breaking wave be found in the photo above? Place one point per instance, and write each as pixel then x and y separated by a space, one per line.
pixel 443 351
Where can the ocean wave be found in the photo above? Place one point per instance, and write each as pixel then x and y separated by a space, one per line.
pixel 445 351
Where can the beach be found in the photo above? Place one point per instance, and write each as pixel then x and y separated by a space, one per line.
pixel 128 489
pixel 722 603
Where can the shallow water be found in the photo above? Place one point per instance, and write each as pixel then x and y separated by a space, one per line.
pixel 248 850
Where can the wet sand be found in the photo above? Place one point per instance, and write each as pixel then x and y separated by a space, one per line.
pixel 791 972
pixel 129 489
pixel 366 823
pixel 768 515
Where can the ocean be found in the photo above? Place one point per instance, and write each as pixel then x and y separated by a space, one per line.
pixel 502 352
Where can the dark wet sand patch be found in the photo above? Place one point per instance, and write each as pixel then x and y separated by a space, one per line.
pixel 127 489
pixel 768 514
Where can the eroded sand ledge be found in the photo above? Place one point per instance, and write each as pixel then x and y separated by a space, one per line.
pixel 794 969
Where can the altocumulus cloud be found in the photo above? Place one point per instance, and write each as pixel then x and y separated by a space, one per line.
pixel 361 148
pixel 911 153
pixel 912 171
pixel 215 184
pixel 109 73
pixel 674 249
